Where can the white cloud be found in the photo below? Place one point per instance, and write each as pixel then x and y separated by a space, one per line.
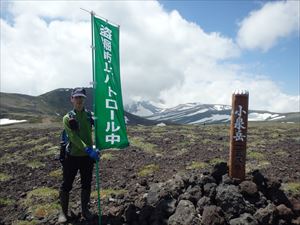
pixel 163 56
pixel 263 28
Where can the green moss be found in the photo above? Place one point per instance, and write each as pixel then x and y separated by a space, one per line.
pixel 44 210
pixel 280 153
pixel 47 151
pixel 35 164
pixel 25 222
pixel 6 201
pixel 216 161
pixel 148 169
pixel 56 173
pixel 197 165
pixel 255 155
pixel 40 195
pixel 10 158
pixel 292 187
pixel 145 146
pixel 107 156
pixel 106 193
pixel 4 177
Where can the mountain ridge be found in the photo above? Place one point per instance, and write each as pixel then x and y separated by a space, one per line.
pixel 56 103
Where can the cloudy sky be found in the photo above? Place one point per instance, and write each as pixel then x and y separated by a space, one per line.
pixel 172 52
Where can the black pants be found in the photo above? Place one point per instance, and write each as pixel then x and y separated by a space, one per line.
pixel 71 165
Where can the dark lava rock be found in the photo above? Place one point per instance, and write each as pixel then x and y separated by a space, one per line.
pixel 209 190
pixel 284 212
pixel 219 170
pixel 204 201
pixel 244 219
pixel 295 205
pixel 213 215
pixel 267 215
pixel 184 215
pixel 175 186
pixel 155 194
pixel 192 194
pixel 248 188
pixel 230 200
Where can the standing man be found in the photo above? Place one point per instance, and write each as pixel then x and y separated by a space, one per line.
pixel 80 154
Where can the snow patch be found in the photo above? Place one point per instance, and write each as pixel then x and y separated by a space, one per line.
pixel 161 124
pixel 126 119
pixel 214 117
pixel 142 111
pixel 6 121
pixel 259 116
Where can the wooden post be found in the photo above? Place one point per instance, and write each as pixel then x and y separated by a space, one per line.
pixel 238 134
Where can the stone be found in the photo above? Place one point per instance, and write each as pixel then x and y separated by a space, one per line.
pixel 230 200
pixel 209 190
pixel 219 170
pixel 248 188
pixel 204 201
pixel 212 215
pixel 154 194
pixel 284 212
pixel 244 219
pixel 192 194
pixel 184 215
pixel 267 215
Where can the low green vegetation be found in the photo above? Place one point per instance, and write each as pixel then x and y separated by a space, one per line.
pixel 292 187
pixel 56 173
pixel 197 165
pixel 106 193
pixel 142 144
pixel 147 170
pixel 40 195
pixel 4 177
pixel 255 155
pixel 35 164
pixel 44 210
pixel 25 222
pixel 107 156
pixel 6 201
pixel 216 161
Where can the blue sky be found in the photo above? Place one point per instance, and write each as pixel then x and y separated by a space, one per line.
pixel 280 63
pixel 185 51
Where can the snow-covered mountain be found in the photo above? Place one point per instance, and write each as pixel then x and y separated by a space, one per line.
pixel 197 113
pixel 142 108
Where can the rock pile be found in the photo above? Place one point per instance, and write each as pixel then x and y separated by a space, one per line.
pixel 211 199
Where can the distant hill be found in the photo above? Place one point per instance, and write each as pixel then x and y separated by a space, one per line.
pixel 52 105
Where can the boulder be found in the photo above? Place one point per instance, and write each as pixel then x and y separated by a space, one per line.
pixel 184 215
pixel 230 200
pixel 267 215
pixel 244 219
pixel 213 215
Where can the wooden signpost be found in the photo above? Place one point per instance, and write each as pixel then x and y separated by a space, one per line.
pixel 238 134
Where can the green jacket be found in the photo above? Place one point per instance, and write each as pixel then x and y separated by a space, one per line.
pixel 81 138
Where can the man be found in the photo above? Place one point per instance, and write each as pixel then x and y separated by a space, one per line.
pixel 80 154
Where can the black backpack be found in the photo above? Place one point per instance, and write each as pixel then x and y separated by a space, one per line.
pixel 65 144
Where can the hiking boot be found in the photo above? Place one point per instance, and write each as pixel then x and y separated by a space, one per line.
pixel 85 199
pixel 64 202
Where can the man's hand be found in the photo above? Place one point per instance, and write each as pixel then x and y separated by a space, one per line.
pixel 94 154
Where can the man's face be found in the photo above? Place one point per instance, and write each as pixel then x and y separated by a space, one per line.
pixel 78 102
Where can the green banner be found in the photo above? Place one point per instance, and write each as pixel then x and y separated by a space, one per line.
pixel 110 127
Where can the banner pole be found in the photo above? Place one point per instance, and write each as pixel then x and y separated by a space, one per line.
pixel 95 123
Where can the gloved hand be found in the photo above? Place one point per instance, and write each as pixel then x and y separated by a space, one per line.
pixel 94 154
